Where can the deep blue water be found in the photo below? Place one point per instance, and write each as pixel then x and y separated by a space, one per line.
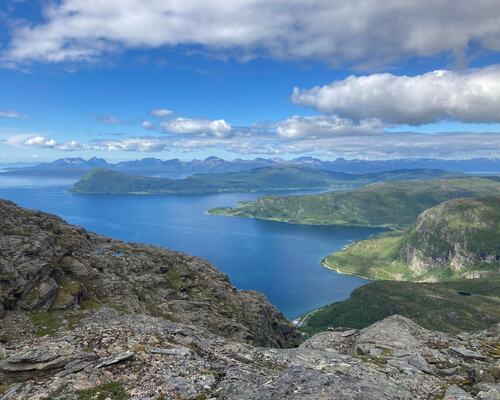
pixel 280 260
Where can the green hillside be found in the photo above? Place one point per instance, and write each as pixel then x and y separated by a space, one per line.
pixel 455 306
pixel 456 239
pixel 387 204
pixel 102 181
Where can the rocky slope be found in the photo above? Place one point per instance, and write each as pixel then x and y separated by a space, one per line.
pixel 458 234
pixel 116 356
pixel 456 239
pixel 85 317
pixel 52 272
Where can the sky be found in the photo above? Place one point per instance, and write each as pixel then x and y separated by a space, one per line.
pixel 128 79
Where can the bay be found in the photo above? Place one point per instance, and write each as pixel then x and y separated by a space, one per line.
pixel 280 260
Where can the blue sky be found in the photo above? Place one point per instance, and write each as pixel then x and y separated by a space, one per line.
pixel 83 78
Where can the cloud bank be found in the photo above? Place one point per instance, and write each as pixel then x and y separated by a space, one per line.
pixel 362 32
pixel 468 96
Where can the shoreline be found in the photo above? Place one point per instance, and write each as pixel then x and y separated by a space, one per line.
pixel 325 264
pixel 286 221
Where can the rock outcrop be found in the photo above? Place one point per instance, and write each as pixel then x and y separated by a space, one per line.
pixel 461 235
pixel 145 357
pixel 52 271
pixel 86 317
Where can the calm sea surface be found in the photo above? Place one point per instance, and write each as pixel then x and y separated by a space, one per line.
pixel 280 260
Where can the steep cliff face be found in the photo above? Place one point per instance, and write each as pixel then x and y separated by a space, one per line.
pixel 456 239
pixel 52 274
pixel 462 235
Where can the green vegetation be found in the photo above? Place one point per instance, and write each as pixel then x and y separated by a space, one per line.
pixel 111 390
pixel 454 306
pixel 3 388
pixel 102 181
pixel 456 239
pixel 388 204
pixel 45 322
pixel 376 258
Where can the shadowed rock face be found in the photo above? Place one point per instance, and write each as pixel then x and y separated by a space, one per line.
pixel 87 317
pixel 48 266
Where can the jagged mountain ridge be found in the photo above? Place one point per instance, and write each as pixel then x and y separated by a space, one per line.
pixel 77 167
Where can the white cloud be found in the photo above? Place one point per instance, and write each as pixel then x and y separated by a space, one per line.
pixel 144 144
pixel 468 96
pixel 44 142
pixel 161 112
pixel 147 125
pixel 337 31
pixel 40 141
pixel 315 127
pixel 198 126
pixel 12 114
pixel 111 120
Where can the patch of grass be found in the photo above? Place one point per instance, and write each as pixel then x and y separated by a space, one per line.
pixel 68 290
pixel 3 388
pixel 46 323
pixel 90 304
pixel 111 390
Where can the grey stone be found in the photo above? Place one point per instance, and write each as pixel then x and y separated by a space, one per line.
pixel 115 359
pixel 455 393
pixel 466 353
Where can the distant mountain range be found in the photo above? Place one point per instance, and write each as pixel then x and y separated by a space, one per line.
pixel 77 167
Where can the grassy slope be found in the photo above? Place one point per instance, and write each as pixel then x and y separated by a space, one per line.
pixel 436 306
pixel 271 178
pixel 472 223
pixel 389 204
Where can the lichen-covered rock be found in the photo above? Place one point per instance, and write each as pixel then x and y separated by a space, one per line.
pixel 148 357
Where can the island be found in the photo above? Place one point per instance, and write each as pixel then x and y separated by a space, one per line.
pixel 276 178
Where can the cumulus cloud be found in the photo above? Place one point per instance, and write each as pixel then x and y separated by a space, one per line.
pixel 161 112
pixel 315 127
pixel 468 96
pixel 198 126
pixel 336 31
pixel 44 142
pixel 12 114
pixel 143 144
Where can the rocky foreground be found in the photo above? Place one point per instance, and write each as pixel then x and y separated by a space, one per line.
pixel 86 317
